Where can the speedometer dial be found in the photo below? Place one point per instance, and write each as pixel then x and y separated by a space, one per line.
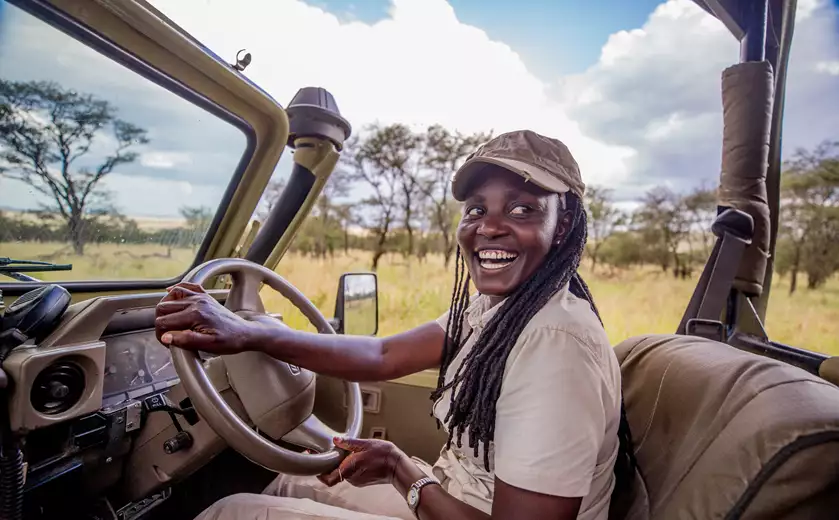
pixel 135 360
pixel 159 363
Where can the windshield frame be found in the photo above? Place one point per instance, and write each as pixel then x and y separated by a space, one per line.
pixel 88 37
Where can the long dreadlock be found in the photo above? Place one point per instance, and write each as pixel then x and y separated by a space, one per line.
pixel 479 376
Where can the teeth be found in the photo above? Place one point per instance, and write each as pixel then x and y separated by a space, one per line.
pixel 494 265
pixel 496 254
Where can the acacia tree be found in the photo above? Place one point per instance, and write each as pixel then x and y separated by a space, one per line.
pixel 444 152
pixel 47 133
pixel 270 197
pixel 810 194
pixel 379 162
pixel 701 209
pixel 603 217
pixel 398 149
pixel 662 224
pixel 198 221
pixel 326 218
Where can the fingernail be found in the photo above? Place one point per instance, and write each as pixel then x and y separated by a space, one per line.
pixel 166 338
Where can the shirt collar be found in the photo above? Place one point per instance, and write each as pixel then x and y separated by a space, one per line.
pixel 480 311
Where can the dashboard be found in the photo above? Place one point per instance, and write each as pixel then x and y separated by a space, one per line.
pixel 136 365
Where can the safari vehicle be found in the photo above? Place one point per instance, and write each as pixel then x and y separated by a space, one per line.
pixel 101 421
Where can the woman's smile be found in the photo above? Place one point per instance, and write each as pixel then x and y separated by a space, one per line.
pixel 495 259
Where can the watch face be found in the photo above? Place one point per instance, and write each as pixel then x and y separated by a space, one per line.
pixel 413 496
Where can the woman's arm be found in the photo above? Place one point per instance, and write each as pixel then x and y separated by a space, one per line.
pixel 379 462
pixel 508 501
pixel 190 318
pixel 356 358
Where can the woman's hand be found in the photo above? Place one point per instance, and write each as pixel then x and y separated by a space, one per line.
pixel 190 318
pixel 371 461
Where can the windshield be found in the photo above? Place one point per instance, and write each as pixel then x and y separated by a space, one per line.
pixel 101 168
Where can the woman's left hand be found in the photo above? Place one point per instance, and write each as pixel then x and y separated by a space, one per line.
pixel 371 461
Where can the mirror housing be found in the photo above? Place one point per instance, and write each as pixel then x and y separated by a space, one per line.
pixel 357 305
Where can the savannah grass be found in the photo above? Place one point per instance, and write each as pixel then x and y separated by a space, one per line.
pixel 631 302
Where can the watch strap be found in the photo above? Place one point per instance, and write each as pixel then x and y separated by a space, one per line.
pixel 413 497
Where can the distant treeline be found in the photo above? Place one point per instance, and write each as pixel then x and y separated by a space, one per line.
pixel 111 228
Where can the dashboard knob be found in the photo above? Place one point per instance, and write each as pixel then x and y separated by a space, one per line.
pixel 181 441
pixel 58 390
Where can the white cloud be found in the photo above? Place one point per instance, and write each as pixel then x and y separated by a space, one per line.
pixel 165 160
pixel 656 90
pixel 648 110
pixel 419 66
pixel 828 67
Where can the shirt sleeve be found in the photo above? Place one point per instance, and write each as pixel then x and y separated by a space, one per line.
pixel 550 416
pixel 443 320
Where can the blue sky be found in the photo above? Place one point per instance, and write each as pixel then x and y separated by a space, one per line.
pixel 553 37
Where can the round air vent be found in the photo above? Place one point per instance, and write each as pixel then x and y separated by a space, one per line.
pixel 57 388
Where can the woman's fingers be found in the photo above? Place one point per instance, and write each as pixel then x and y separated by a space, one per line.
pixel 178 320
pixel 345 471
pixel 188 339
pixel 165 308
pixel 351 445
pixel 180 292
pixel 189 286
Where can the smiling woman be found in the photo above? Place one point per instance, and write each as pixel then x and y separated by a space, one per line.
pixel 101 168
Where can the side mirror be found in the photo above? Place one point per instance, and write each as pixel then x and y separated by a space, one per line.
pixel 357 305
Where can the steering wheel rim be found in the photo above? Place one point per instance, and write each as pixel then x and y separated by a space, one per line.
pixel 211 406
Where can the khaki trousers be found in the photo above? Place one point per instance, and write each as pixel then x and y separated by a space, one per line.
pixel 289 497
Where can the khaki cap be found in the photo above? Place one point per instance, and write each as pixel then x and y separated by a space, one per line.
pixel 544 161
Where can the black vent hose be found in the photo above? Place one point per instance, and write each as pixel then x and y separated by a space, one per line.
pixel 11 457
pixel 11 482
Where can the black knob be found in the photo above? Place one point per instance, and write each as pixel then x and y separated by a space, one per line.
pixel 58 390
pixel 181 441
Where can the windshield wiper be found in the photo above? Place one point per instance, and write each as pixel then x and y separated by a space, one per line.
pixel 15 268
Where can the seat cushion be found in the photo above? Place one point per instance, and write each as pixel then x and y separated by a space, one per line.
pixel 722 433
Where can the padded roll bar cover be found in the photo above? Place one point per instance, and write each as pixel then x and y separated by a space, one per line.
pixel 748 96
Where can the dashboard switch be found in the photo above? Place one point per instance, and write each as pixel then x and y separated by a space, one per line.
pixel 158 403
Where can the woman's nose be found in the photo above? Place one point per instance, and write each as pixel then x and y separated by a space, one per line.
pixel 492 226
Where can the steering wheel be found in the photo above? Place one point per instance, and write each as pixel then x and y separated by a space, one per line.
pixel 278 398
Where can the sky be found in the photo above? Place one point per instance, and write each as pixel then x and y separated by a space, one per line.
pixel 633 88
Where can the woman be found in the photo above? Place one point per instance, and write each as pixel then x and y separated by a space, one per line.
pixel 529 388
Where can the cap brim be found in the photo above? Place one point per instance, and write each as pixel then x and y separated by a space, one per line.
pixel 465 176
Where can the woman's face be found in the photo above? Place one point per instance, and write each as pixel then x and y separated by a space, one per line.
pixel 507 229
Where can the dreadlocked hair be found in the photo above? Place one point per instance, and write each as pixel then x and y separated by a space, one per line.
pixel 477 383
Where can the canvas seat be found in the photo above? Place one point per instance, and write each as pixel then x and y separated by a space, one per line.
pixel 721 433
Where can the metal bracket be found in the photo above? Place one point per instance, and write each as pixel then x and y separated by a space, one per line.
pixel 708 329
pixel 133 416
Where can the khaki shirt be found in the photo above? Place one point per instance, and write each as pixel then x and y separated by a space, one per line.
pixel 557 415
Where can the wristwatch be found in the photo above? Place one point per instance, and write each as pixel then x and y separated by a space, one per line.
pixel 413 497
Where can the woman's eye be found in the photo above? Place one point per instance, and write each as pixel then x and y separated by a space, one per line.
pixel 474 211
pixel 520 210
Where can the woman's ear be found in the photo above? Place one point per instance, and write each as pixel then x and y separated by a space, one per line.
pixel 563 226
